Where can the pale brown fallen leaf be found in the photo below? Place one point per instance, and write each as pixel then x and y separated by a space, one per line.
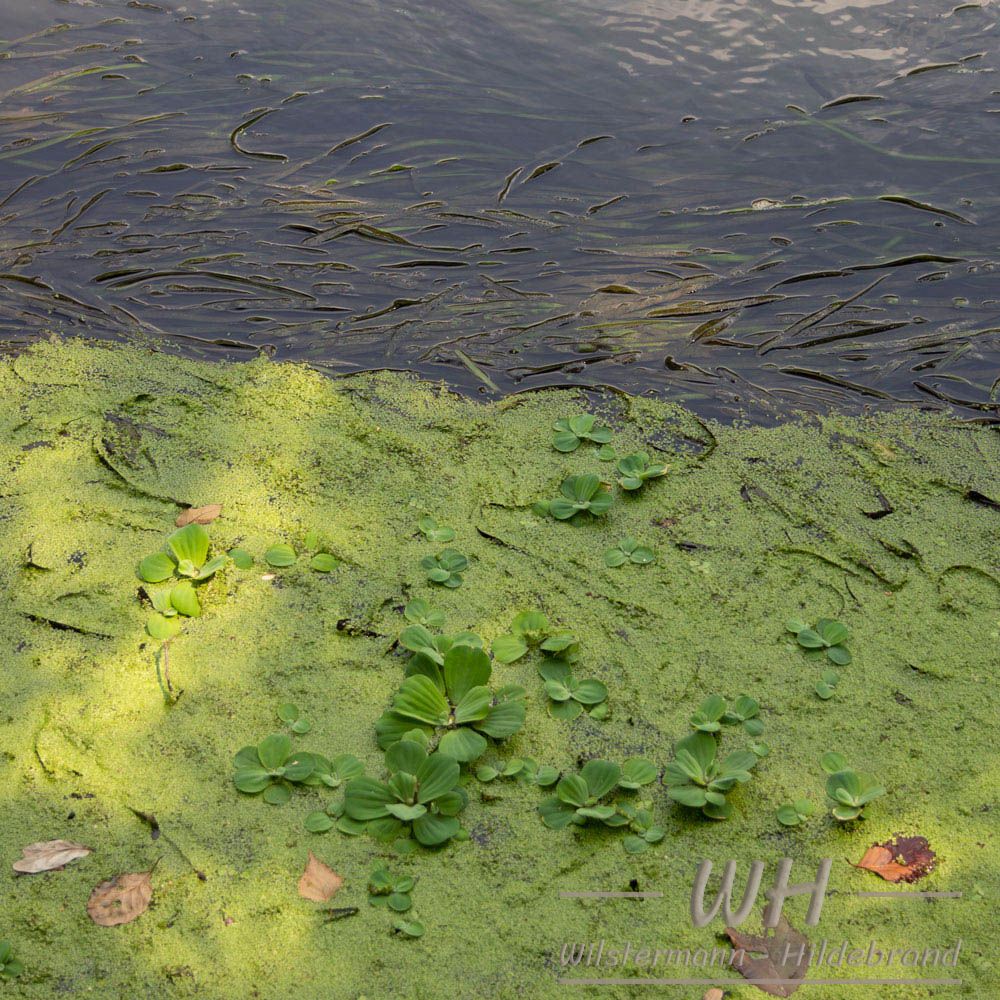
pixel 900 859
pixel 763 959
pixel 48 855
pixel 121 899
pixel 199 515
pixel 713 994
pixel 319 882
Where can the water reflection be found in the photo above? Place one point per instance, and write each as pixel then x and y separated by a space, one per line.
pixel 746 207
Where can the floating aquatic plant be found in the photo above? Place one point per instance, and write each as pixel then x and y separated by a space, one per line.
pixel 569 697
pixel 531 629
pixel 571 431
pixel 848 790
pixel 698 779
pixel 422 795
pixel 587 796
pixel 579 495
pixel 827 636
pixel 453 697
pixel 794 813
pixel 435 532
pixel 636 470
pixel 445 568
pixel 628 550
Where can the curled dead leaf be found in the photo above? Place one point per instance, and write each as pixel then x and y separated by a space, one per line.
pixel 900 859
pixel 199 515
pixel 776 962
pixel 121 899
pixel 48 856
pixel 319 882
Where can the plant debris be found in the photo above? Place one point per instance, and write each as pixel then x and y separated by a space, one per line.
pixel 319 882
pixel 899 859
pixel 48 856
pixel 199 515
pixel 121 899
pixel 761 963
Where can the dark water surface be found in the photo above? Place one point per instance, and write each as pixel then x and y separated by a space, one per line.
pixel 746 207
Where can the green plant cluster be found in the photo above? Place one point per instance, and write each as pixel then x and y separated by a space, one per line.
pixel 848 791
pixel 10 965
pixel 698 778
pixel 177 568
pixel 281 555
pixel 592 797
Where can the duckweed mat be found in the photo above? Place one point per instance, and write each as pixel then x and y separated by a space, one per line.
pixel 888 524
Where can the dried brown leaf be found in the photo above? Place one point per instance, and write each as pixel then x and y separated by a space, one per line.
pixel 48 856
pixel 713 994
pixel 763 959
pixel 121 899
pixel 900 859
pixel 199 515
pixel 319 882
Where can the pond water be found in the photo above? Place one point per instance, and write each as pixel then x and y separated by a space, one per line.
pixel 749 208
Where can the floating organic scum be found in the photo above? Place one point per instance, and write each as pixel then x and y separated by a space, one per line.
pixel 338 620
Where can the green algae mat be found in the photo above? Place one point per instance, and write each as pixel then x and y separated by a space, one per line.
pixel 342 599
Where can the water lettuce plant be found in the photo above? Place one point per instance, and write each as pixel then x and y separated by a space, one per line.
pixel 435 532
pixel 569 697
pixel 578 495
pixel 628 550
pixel 392 891
pixel 420 612
pixel 293 718
pixel 531 629
pixel 445 568
pixel 636 470
pixel 183 562
pixel 827 635
pixel 280 555
pixel 571 431
pixel 272 767
pixel 521 768
pixel 644 833
pixel 713 713
pixel 848 790
pixel 10 965
pixel 185 556
pixel 698 779
pixel 453 696
pixel 794 813
pixel 586 796
pixel 826 684
pixel 422 795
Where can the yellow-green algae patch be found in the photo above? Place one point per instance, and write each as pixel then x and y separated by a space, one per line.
pixel 102 446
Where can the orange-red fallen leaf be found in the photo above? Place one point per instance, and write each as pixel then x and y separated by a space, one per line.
pixel 319 882
pixel 900 859
pixel 199 515
pixel 782 954
pixel 121 899
pixel 48 856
